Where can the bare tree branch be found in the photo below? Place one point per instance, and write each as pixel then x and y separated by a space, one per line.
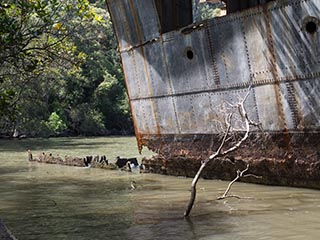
pixel 203 164
pixel 220 152
pixel 239 175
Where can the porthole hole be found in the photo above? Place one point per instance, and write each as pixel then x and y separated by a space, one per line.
pixel 311 27
pixel 190 54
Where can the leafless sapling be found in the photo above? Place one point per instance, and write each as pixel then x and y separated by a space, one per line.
pixel 220 152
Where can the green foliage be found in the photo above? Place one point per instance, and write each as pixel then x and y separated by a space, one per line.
pixel 34 127
pixel 34 43
pixel 206 11
pixel 56 124
pixel 111 100
pixel 59 60
pixel 87 121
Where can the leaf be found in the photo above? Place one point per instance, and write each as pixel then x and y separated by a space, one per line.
pixel 57 26
pixel 98 18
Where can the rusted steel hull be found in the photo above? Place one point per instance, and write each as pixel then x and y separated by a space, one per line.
pixel 269 156
pixel 267 170
pixel 181 83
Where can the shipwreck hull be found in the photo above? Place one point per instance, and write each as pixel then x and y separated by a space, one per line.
pixel 268 155
pixel 183 77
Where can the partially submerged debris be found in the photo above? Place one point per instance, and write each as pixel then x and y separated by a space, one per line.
pixel 125 164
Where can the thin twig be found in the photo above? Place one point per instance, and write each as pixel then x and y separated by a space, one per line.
pixel 252 175
pixel 239 175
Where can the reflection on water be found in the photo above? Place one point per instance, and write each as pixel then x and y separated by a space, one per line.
pixel 39 201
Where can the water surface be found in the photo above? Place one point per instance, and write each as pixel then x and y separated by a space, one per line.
pixel 42 201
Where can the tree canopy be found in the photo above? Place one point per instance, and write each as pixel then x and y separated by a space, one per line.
pixel 59 70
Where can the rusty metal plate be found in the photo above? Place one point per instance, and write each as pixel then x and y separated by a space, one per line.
pixel 135 21
pixel 188 60
pixel 167 120
pixel 185 114
pixel 135 74
pixel 269 110
pixel 230 52
pixel 296 50
pixel 308 94
pixel 122 19
pixel 259 51
pixel 211 109
pixel 144 116
pixel 158 69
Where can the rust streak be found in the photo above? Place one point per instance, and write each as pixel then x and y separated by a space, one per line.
pixel 213 59
pixel 296 112
pixel 125 24
pixel 135 17
pixel 138 136
pixel 171 86
pixel 274 70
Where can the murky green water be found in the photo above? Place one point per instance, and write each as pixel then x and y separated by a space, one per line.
pixel 39 201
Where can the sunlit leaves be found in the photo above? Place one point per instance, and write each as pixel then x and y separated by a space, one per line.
pixel 55 123
pixel 35 38
pixel 60 57
pixel 98 18
pixel 57 26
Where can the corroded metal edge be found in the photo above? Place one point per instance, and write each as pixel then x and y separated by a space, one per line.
pixel 280 159
pixel 289 171
pixel 268 144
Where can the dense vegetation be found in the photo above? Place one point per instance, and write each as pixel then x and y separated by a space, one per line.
pixel 60 72
pixel 207 9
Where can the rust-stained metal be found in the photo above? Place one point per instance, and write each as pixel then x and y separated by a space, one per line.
pixel 179 82
pixel 145 65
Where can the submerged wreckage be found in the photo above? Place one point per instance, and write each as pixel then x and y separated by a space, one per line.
pixel 181 76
